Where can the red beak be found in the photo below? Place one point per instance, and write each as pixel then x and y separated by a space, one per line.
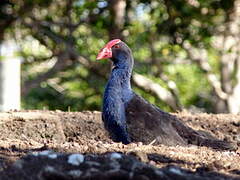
pixel 106 52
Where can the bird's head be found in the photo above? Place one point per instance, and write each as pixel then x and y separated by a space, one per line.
pixel 118 52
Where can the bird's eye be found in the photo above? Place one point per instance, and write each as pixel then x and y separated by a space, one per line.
pixel 116 46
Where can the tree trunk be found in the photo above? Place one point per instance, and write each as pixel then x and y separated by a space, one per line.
pixel 9 77
pixel 117 10
pixel 226 89
pixel 230 60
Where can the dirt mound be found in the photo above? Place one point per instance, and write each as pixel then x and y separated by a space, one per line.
pixel 28 132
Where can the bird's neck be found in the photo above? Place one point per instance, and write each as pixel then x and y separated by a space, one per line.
pixel 122 71
pixel 120 77
pixel 119 83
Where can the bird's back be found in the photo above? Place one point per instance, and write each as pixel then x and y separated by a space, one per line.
pixel 147 123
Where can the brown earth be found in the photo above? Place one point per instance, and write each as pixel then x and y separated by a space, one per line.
pixel 28 132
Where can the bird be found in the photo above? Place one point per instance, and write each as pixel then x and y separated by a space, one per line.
pixel 130 118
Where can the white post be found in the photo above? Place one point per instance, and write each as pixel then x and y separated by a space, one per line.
pixel 9 76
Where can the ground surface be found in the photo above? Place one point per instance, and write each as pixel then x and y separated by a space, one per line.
pixel 28 132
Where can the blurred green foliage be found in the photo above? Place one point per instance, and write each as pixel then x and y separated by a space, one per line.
pixel 155 30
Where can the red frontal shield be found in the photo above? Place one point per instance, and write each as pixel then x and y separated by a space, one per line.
pixel 106 52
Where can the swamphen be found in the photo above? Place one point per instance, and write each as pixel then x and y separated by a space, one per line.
pixel 130 118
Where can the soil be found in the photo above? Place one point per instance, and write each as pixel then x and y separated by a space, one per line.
pixel 27 132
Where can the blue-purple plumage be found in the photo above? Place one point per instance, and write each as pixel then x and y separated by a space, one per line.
pixel 117 94
pixel 124 111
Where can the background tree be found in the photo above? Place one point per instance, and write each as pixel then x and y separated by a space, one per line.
pixel 186 52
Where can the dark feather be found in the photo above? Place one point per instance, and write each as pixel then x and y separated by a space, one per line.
pixel 147 123
pixel 130 118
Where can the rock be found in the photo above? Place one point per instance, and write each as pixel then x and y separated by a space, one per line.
pixel 48 165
